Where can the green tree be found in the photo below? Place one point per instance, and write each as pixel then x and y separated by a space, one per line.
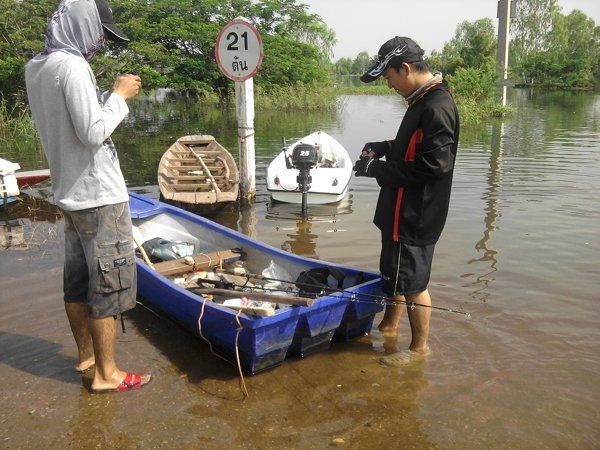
pixel 551 49
pixel 22 30
pixel 173 43
pixel 288 62
pixel 473 45
pixel 288 19
pixel 574 44
pixel 343 66
pixel 531 27
pixel 356 66
pixel 361 63
pixel 468 61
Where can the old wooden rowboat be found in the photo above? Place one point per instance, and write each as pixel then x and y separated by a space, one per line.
pixel 198 173
pixel 184 289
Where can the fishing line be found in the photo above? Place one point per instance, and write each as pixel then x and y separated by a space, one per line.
pixel 366 297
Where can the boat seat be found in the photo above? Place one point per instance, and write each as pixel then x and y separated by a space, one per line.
pixel 201 261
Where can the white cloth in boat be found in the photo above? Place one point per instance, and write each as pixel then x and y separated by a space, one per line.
pixel 327 158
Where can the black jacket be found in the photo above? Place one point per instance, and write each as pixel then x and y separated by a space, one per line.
pixel 416 176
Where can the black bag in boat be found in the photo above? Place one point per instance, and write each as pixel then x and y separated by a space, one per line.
pixel 159 249
pixel 320 279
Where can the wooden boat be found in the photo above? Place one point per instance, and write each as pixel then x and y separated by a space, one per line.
pixel 330 175
pixel 198 173
pixel 262 335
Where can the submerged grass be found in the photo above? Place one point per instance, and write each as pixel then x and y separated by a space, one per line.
pixel 307 98
pixel 471 109
pixel 474 111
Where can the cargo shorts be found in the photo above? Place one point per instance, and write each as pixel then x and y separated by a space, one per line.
pixel 405 269
pixel 99 260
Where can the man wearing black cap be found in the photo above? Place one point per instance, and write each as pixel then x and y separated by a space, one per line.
pixel 74 126
pixel 415 179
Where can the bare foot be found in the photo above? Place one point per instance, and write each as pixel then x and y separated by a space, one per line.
pixel 85 366
pixel 403 358
pixel 129 382
pixel 388 330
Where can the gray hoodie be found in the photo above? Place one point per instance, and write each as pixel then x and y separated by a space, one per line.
pixel 73 125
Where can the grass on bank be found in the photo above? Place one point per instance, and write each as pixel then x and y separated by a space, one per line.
pixel 15 122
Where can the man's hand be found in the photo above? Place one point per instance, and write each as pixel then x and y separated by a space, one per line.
pixel 361 167
pixel 376 149
pixel 127 86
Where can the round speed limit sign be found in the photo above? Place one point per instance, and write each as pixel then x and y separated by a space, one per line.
pixel 239 50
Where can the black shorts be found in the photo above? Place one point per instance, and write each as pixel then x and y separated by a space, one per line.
pixel 411 275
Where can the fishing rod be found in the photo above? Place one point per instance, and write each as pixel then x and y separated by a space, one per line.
pixel 367 298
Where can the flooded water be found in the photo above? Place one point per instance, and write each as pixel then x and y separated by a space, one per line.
pixel 519 253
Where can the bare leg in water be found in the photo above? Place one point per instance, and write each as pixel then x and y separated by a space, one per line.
pixel 391 317
pixel 97 337
pixel 419 322
pixel 418 318
pixel 78 320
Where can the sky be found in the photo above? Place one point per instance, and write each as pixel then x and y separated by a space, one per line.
pixel 364 25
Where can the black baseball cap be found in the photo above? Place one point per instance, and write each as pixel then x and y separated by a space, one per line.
pixel 396 50
pixel 108 23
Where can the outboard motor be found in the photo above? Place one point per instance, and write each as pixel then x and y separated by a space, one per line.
pixel 304 158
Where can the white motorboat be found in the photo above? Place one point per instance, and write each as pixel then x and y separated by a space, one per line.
pixel 318 162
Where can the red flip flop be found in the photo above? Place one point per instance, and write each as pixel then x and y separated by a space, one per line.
pixel 131 382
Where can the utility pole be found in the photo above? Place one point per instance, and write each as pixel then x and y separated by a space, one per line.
pixel 504 14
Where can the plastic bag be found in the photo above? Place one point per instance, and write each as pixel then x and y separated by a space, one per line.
pixel 275 277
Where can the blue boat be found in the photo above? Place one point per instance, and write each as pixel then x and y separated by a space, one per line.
pixel 255 343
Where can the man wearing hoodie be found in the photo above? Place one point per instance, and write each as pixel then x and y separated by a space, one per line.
pixel 415 179
pixel 75 126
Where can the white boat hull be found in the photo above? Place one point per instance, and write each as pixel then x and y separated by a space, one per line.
pixel 330 178
pixel 313 198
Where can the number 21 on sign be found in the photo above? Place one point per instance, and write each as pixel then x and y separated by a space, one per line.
pixel 239 50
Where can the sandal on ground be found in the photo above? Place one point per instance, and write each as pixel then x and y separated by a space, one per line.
pixel 131 382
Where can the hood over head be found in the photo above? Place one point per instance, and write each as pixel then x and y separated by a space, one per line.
pixel 75 28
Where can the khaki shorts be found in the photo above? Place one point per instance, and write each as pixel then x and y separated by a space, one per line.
pixel 405 269
pixel 99 260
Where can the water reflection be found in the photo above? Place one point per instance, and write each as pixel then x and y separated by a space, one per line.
pixel 301 241
pixel 298 228
pixel 292 211
pixel 491 198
